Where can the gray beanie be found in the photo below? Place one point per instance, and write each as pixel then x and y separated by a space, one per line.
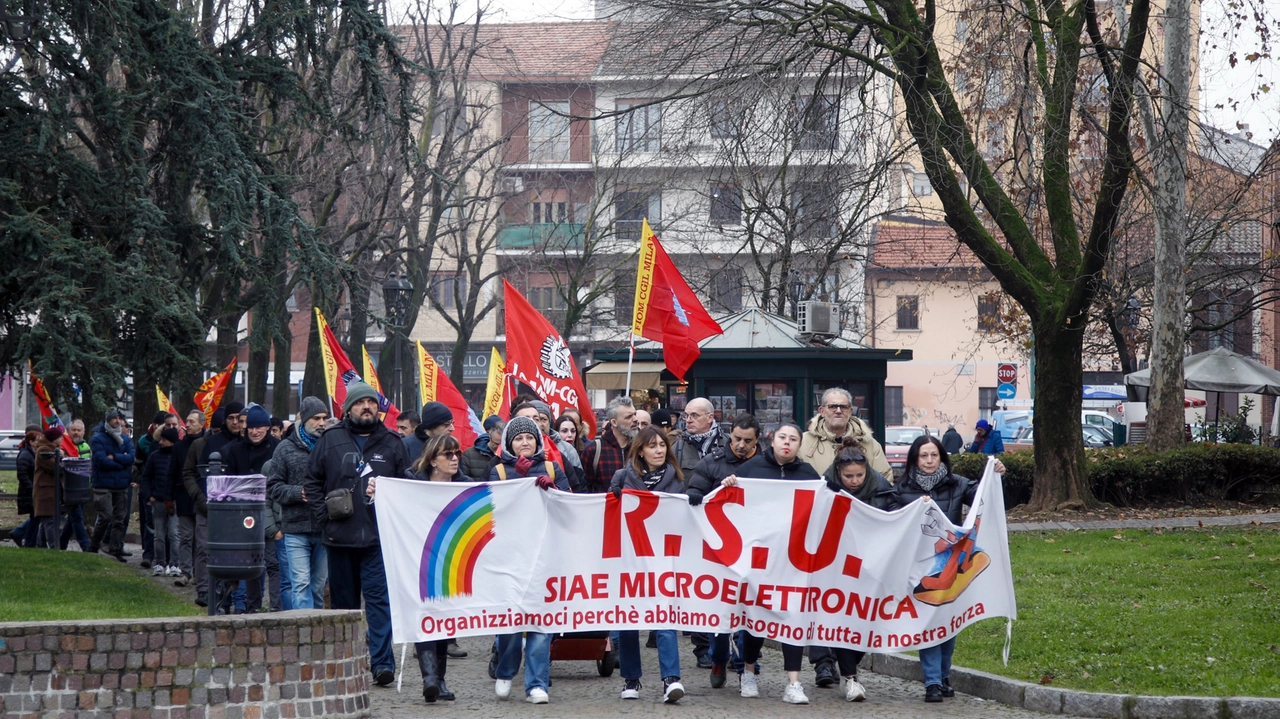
pixel 310 407
pixel 542 407
pixel 518 426
pixel 357 391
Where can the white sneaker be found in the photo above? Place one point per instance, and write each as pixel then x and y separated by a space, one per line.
pixel 158 570
pixel 673 693
pixel 853 691
pixel 795 694
pixel 747 686
pixel 502 688
pixel 537 696
pixel 174 571
pixel 631 689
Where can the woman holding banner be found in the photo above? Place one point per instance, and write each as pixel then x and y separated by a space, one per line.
pixel 650 468
pixel 928 474
pixel 780 460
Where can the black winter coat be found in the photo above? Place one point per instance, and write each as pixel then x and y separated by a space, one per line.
pixel 539 469
pixel 153 480
pixel 385 455
pixel 285 479
pixel 26 479
pixel 951 494
pixel 764 466
pixel 185 506
pixel 711 469
pixel 244 457
pixel 626 478
pixel 477 460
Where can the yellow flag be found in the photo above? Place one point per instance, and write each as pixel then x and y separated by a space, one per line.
pixel 496 385
pixel 370 374
pixel 644 279
pixel 427 371
pixel 163 402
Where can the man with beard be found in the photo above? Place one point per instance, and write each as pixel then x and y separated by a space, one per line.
pixel 247 455
pixel 194 480
pixel 113 455
pixel 355 555
pixel 610 453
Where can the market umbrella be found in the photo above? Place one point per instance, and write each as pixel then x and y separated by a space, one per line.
pixel 1220 370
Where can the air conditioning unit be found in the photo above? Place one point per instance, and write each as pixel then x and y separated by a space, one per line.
pixel 512 185
pixel 821 319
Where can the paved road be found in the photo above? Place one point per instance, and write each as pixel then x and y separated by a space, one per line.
pixel 1228 520
pixel 578 692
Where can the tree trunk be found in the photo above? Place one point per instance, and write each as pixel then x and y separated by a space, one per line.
pixel 227 348
pixel 282 387
pixel 1061 480
pixel 1165 413
pixel 313 382
pixel 259 356
pixel 145 404
pixel 460 356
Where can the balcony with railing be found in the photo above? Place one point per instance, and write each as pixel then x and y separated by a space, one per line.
pixel 542 236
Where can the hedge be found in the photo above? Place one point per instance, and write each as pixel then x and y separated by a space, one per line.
pixel 1125 476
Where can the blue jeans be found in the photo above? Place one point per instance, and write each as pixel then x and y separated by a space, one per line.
pixel 936 662
pixel 308 570
pixel 358 572
pixel 720 649
pixel 668 653
pixel 282 576
pixel 75 525
pixel 537 659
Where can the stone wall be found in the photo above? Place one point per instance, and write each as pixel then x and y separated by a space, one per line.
pixel 285 665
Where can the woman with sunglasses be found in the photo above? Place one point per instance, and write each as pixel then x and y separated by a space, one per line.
pixel 439 463
pixel 851 473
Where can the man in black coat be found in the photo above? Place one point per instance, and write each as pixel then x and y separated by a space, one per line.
pixel 247 455
pixel 355 555
pixel 184 505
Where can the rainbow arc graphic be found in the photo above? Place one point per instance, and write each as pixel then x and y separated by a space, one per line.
pixel 458 536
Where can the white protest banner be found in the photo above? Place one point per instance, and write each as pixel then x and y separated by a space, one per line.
pixel 787 560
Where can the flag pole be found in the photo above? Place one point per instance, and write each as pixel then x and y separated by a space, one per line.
pixel 631 356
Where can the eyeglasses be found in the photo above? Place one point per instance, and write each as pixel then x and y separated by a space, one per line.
pixel 839 407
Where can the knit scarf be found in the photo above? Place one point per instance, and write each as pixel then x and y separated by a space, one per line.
pixel 307 439
pixel 116 433
pixel 652 478
pixel 928 481
pixel 707 440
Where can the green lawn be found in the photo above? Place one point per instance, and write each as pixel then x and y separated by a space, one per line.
pixel 41 585
pixel 8 482
pixel 1191 612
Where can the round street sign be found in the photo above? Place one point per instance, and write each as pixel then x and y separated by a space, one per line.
pixel 1007 373
pixel 1006 391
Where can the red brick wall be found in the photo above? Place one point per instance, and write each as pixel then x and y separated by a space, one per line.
pixel 272 666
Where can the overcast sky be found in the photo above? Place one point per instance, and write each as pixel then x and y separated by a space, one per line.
pixel 1227 93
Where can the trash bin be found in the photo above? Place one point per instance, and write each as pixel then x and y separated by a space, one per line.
pixel 76 473
pixel 234 546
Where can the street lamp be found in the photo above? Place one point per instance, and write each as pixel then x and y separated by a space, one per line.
pixel 396 291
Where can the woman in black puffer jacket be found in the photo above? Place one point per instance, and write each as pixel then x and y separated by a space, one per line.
pixel 928 474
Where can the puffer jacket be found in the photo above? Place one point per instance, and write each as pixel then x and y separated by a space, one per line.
pixel 711 470
pixel 245 457
pixel 185 505
pixel 286 473
pixel 627 478
pixel 26 477
pixel 385 456
pixel 477 460
pixel 506 467
pixel 951 494
pixel 876 491
pixel 818 446
pixel 112 462
pixel 765 466
pixel 153 480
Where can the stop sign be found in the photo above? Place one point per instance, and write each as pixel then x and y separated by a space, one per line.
pixel 1007 373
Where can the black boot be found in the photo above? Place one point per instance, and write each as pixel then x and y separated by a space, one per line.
pixel 442 665
pixel 430 671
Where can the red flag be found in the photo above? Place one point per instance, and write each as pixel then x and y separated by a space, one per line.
pixel 538 357
pixel 666 309
pixel 435 386
pixel 49 416
pixel 339 372
pixel 209 396
pixel 390 413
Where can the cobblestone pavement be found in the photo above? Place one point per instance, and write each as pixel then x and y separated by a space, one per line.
pixel 578 692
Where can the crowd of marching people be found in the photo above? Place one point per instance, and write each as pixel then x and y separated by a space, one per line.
pixel 322 544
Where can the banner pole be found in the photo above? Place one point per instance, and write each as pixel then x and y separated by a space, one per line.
pixel 631 356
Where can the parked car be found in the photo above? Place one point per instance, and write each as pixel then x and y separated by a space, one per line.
pixel 9 441
pixel 1093 437
pixel 897 440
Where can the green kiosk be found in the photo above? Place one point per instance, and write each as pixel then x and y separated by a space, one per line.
pixel 761 364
